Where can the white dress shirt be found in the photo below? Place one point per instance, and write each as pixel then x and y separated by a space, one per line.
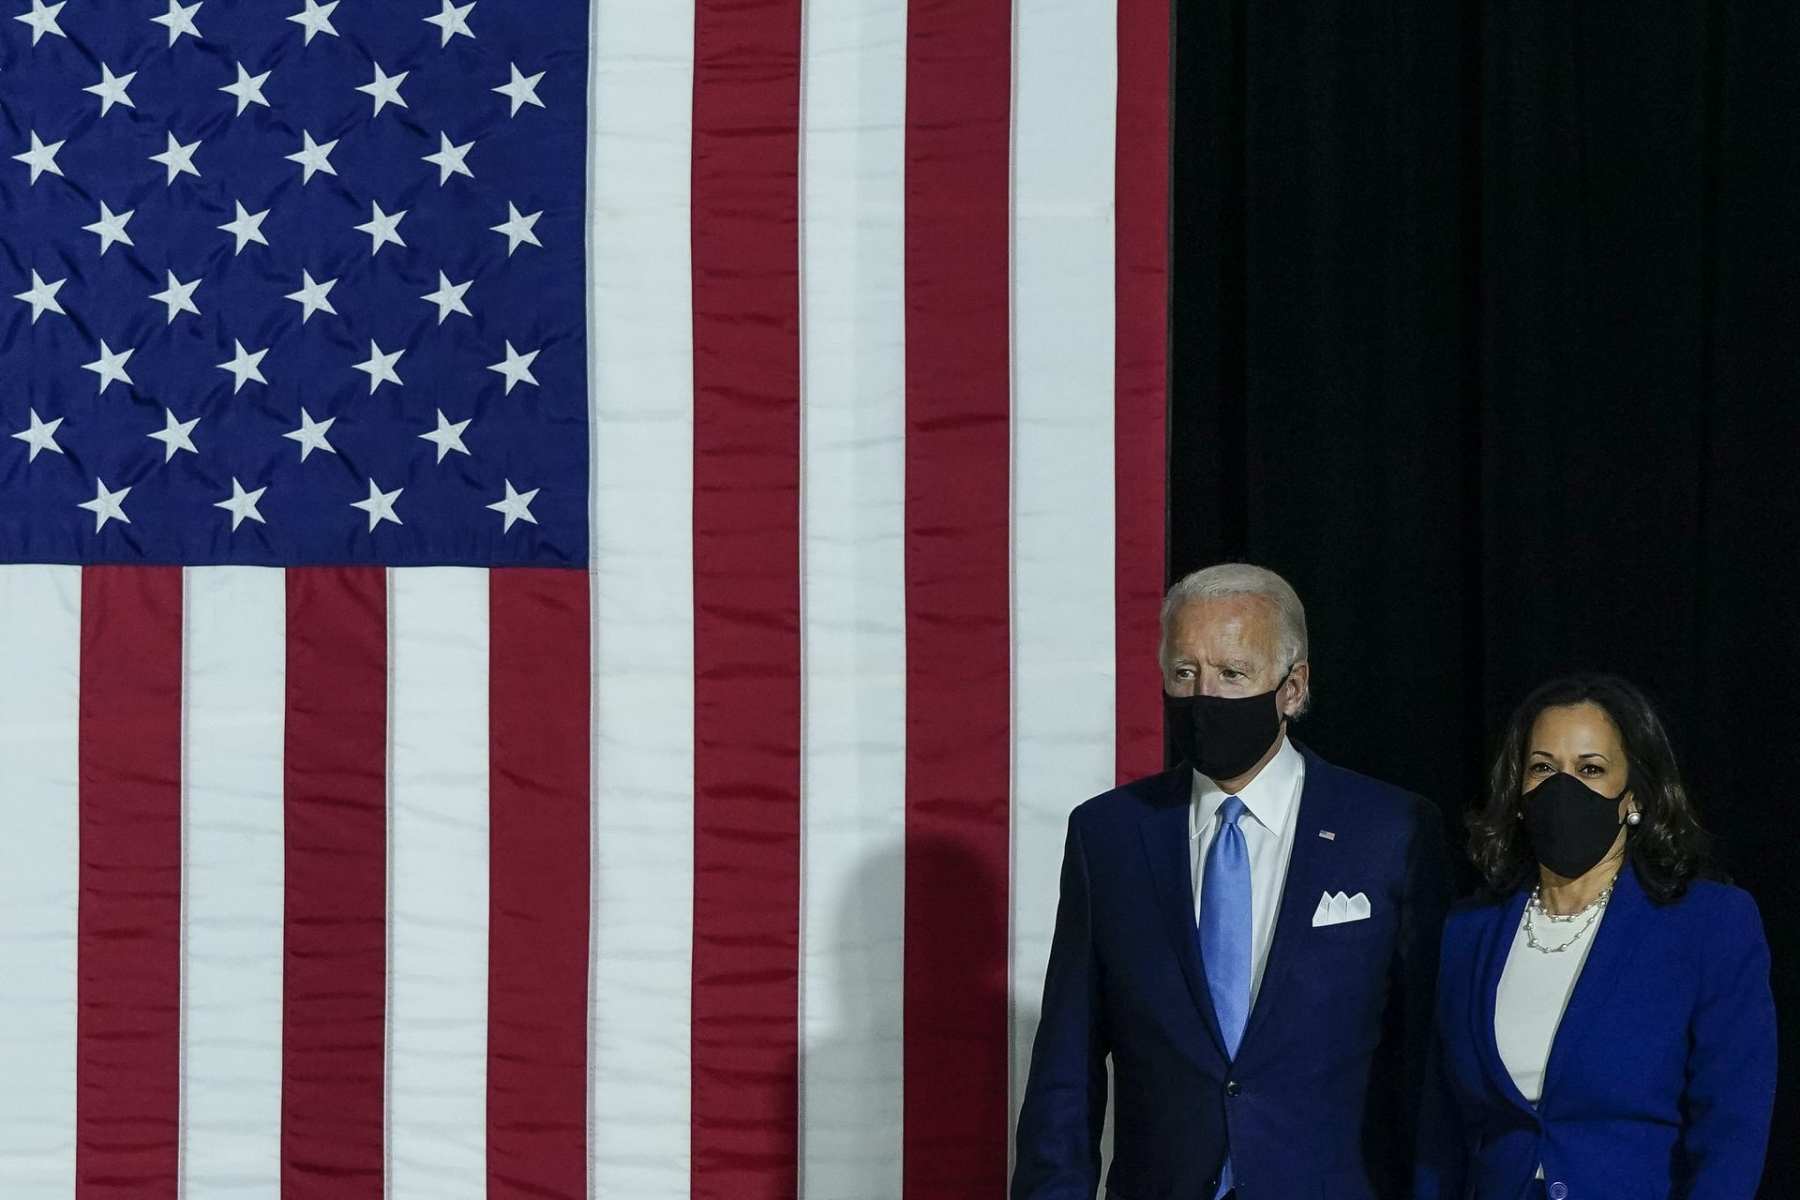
pixel 1268 826
pixel 1534 992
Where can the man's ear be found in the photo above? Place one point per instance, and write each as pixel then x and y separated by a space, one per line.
pixel 1292 695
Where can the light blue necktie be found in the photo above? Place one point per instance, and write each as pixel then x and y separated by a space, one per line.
pixel 1225 934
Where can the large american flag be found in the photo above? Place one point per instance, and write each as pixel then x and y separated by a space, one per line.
pixel 561 567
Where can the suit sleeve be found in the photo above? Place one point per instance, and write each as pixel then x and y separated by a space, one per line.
pixel 1421 938
pixel 1729 1097
pixel 1065 1096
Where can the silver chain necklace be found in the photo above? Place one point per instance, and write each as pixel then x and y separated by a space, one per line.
pixel 1535 909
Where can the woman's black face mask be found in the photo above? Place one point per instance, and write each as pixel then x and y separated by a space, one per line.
pixel 1572 827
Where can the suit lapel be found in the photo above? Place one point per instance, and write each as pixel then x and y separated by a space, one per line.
pixel 1309 864
pixel 1165 834
pixel 1615 938
pixel 1493 953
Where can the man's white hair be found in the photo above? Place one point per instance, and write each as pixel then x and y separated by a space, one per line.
pixel 1245 579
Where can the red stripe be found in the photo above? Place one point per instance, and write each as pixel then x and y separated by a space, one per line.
pixel 334 1006
pixel 746 598
pixel 1140 452
pixel 128 1068
pixel 958 101
pixel 538 889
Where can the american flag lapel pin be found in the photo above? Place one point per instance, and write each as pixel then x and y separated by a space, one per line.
pixel 1328 835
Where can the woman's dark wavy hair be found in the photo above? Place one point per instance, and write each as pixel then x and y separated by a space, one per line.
pixel 1668 848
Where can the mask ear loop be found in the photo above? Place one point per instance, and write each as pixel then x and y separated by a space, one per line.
pixel 1281 683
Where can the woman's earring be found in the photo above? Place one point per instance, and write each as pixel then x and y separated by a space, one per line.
pixel 1634 818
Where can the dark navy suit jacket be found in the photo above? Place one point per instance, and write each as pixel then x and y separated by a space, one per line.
pixel 1126 979
pixel 1661 1078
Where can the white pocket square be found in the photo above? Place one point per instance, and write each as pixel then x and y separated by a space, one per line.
pixel 1335 908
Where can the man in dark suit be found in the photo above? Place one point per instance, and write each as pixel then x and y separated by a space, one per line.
pixel 1243 936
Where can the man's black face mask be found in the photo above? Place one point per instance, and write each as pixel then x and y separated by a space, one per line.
pixel 1223 736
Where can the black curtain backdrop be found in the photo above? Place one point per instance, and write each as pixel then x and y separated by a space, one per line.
pixel 1484 326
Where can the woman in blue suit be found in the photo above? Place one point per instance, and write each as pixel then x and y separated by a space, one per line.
pixel 1605 1029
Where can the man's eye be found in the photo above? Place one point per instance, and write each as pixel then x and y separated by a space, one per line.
pixel 1231 674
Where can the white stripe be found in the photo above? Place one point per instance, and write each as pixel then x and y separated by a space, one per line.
pixel 235 695
pixel 1066 68
pixel 40 645
pixel 853 125
pixel 438 940
pixel 641 422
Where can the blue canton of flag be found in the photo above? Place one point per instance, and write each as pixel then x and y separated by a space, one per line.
pixel 292 283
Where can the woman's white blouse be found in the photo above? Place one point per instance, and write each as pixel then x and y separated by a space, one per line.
pixel 1534 992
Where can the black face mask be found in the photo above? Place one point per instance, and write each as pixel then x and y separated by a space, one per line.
pixel 1571 826
pixel 1223 736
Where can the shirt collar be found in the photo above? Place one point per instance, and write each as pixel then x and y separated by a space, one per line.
pixel 1269 798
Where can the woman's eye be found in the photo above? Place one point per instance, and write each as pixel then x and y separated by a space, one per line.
pixel 1538 768
pixel 1592 769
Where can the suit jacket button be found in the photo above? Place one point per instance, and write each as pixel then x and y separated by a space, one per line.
pixel 1233 1087
pixel 1559 1191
